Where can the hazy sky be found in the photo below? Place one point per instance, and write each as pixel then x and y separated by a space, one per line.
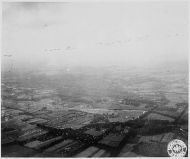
pixel 130 33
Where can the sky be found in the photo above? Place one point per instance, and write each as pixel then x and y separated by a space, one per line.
pixel 94 34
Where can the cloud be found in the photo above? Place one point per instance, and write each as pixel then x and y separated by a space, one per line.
pixel 101 33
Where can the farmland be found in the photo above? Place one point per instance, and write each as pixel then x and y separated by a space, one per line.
pixel 97 114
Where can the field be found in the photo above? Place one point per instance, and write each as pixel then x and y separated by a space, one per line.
pixel 44 111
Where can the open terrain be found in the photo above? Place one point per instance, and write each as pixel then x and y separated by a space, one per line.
pixel 93 112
